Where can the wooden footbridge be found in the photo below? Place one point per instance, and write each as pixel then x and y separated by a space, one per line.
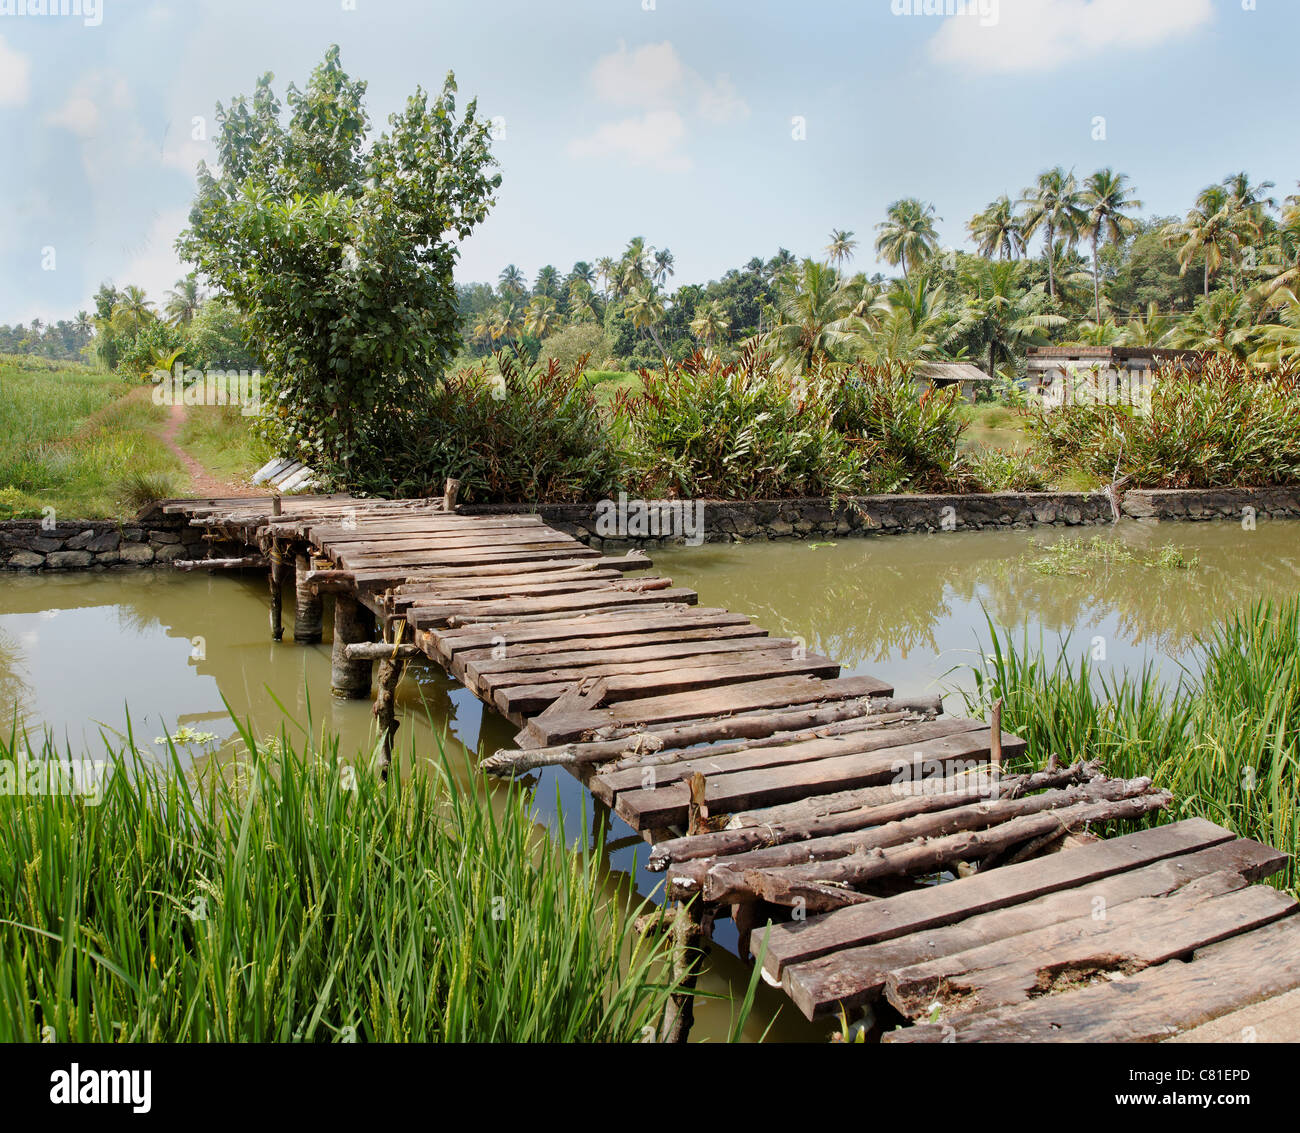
pixel 872 850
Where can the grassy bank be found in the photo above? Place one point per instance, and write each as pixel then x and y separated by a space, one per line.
pixel 1225 738
pixel 73 440
pixel 302 900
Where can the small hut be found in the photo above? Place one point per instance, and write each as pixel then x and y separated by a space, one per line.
pixel 1114 375
pixel 940 375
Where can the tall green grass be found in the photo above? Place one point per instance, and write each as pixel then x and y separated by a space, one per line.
pixel 294 898
pixel 68 439
pixel 1225 737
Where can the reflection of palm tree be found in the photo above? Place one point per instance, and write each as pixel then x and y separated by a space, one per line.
pixel 13 684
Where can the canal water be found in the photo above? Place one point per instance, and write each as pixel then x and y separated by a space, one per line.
pixel 88 656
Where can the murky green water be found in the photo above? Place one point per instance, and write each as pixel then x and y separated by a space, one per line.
pixel 76 650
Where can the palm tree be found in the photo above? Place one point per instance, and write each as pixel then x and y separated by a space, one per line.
pixel 582 299
pixel 1053 205
pixel 907 235
pixel 505 324
pixel 646 310
pixel 1151 330
pixel 815 309
pixel 183 301
pixel 511 282
pixel 663 266
pixel 1222 322
pixel 840 250
pixel 547 282
pixel 998 316
pixel 998 229
pixel 1282 340
pixel 542 316
pixel 1286 269
pixel 1208 231
pixel 607 270
pixel 133 310
pixel 710 323
pixel 1108 200
pixel 483 329
pixel 782 262
pixel 633 268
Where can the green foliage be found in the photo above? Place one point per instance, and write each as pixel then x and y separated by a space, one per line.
pixel 291 897
pixel 1083 556
pixel 217 338
pixel 908 441
pixel 579 340
pixel 1227 743
pixel 999 470
pixel 1220 425
pixel 709 429
pixel 339 250
pixel 138 352
pixel 523 433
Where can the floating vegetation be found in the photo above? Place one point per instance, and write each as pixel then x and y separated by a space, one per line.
pixel 1082 556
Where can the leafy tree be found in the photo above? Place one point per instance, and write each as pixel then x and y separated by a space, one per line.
pixel 340 253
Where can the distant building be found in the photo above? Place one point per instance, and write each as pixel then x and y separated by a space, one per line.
pixel 1114 375
pixel 943 374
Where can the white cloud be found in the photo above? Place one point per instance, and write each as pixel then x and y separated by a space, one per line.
pixel 1032 35
pixel 654 80
pixel 650 140
pixel 153 263
pixel 15 76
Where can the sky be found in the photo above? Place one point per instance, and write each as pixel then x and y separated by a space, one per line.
pixel 721 129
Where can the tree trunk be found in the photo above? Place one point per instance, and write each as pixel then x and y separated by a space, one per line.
pixel 1096 280
pixel 1051 254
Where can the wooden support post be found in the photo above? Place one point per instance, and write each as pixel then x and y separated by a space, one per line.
pixel 352 622
pixel 995 736
pixel 687 958
pixel 276 580
pixel 309 607
pixel 385 709
pixel 449 493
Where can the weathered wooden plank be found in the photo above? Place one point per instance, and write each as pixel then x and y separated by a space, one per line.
pixel 947 742
pixel 1272 1020
pixel 1056 958
pixel 547 657
pixel 427 613
pixel 1132 800
pixel 382 578
pixel 1152 1005
pixel 507 634
pixel 658 678
pixel 1008 885
pixel 753 757
pixel 776 693
pixel 468 556
pixel 428 541
pixel 474 591
pixel 847 978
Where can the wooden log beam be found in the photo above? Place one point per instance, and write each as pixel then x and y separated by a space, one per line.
pixel 246 562
pixel 350 679
pixel 309 607
pixel 382 651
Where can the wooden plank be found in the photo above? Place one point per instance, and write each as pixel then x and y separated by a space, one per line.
pixel 467 556
pixel 1152 1005
pixel 848 978
pixel 608 785
pixel 1062 957
pixel 371 578
pixel 1009 885
pixel 424 613
pixel 545 657
pixel 628 682
pixel 1273 1020
pixel 507 634
pixel 427 541
pixel 473 591
pixel 777 693
pixel 662 805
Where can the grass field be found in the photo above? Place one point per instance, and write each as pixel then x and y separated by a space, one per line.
pixel 994 426
pixel 74 440
pixel 220 439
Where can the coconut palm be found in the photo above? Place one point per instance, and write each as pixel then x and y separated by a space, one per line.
pixel 907 235
pixel 1281 341
pixel 633 268
pixel 547 282
pixel 815 319
pixel 1054 205
pixel 663 266
pixel 506 323
pixel 782 262
pixel 582 300
pixel 1223 323
pixel 710 323
pixel 998 230
pixel 1108 200
pixel 998 317
pixel 133 310
pixel 607 270
pixel 1207 231
pixel 1152 329
pixel 183 301
pixel 645 308
pixel 511 282
pixel 482 331
pixel 542 316
pixel 840 250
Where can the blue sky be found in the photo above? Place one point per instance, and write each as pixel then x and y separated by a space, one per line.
pixel 669 119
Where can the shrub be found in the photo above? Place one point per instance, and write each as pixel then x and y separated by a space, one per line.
pixel 1217 426
pixel 577 340
pixel 906 441
pixel 997 470
pixel 705 428
pixel 525 433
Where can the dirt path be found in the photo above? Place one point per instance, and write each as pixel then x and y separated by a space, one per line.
pixel 202 482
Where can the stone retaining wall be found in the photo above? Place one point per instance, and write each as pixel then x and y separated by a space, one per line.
pixel 104 544
pixel 97 544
